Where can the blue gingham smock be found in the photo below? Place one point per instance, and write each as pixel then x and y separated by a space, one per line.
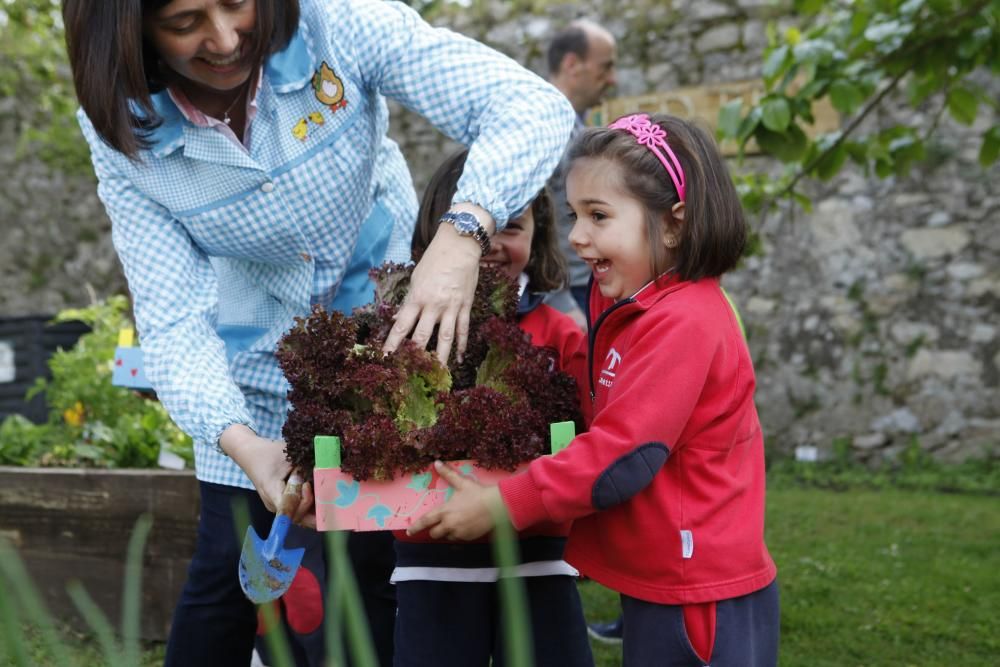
pixel 222 246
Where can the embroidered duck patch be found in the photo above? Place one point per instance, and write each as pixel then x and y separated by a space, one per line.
pixel 329 88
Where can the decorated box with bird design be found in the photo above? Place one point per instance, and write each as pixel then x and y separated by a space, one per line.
pixel 344 503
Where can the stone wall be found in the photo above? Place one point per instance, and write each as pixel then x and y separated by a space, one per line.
pixel 872 319
pixel 55 241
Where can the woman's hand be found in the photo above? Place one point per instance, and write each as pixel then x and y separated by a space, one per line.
pixel 442 288
pixel 472 511
pixel 264 462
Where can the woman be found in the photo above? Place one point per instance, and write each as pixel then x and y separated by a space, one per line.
pixel 242 156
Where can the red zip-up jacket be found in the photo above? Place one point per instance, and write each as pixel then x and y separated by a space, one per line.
pixel 666 488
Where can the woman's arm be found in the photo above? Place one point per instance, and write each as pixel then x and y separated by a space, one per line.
pixel 515 124
pixel 174 292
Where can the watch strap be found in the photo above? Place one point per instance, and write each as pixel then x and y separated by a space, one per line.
pixel 467 224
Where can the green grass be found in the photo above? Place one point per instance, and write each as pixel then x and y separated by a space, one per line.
pixel 868 578
pixel 84 648
pixel 886 578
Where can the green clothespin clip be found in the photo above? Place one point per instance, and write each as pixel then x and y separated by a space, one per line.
pixel 327 449
pixel 560 435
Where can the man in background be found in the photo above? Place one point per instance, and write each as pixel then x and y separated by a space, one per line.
pixel 581 61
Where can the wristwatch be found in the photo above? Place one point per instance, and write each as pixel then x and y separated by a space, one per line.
pixel 466 224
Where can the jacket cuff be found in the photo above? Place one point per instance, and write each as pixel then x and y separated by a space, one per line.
pixel 242 419
pixel 523 500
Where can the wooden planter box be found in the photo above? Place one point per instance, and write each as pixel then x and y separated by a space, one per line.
pixel 75 524
pixel 344 503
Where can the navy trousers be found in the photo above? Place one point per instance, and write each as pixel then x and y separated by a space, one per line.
pixel 215 625
pixel 457 623
pixel 746 633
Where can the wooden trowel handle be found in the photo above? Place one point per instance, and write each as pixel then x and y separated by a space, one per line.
pixel 292 495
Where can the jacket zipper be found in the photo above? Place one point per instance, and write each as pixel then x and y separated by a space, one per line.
pixel 593 337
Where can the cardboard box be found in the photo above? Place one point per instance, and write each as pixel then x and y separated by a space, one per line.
pixel 344 503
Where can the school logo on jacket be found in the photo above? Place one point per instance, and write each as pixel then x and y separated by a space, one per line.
pixel 610 364
pixel 329 88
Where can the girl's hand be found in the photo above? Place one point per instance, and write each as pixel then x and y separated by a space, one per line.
pixel 442 288
pixel 472 511
pixel 264 462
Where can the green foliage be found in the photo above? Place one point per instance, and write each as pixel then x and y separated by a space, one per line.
pixel 915 470
pixel 34 71
pixel 21 604
pixel 855 55
pixel 91 422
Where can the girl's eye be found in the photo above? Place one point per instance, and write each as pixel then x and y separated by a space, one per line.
pixel 598 215
pixel 572 216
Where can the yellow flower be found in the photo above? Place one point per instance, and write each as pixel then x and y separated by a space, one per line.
pixel 74 415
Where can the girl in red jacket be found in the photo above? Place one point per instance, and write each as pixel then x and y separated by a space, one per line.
pixel 447 597
pixel 666 489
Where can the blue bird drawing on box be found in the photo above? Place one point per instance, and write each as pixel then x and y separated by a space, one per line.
pixel 347 494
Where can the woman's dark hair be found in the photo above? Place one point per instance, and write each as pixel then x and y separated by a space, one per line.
pixel 546 267
pixel 714 231
pixel 114 67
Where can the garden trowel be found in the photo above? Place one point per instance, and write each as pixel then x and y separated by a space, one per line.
pixel 266 566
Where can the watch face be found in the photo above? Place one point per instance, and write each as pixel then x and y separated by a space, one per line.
pixel 466 223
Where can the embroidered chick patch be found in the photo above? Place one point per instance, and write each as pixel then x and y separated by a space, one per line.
pixel 301 129
pixel 329 88
pixel 317 118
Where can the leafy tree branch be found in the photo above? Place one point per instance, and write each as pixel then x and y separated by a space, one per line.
pixel 856 56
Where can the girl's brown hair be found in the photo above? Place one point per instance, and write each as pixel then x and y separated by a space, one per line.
pixel 115 70
pixel 546 265
pixel 714 231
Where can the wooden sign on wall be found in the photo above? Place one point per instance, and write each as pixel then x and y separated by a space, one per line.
pixel 703 103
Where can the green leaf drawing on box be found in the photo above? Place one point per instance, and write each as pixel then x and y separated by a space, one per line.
pixel 379 513
pixel 420 481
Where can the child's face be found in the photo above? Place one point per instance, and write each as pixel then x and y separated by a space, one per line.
pixel 610 232
pixel 510 250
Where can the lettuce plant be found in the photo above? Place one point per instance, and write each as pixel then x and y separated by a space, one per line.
pixel 399 412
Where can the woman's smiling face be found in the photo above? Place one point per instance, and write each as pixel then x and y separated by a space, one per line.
pixel 610 233
pixel 207 42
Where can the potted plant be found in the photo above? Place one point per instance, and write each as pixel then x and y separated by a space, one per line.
pixel 394 415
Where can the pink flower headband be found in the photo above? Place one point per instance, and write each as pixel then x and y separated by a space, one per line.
pixel 654 138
